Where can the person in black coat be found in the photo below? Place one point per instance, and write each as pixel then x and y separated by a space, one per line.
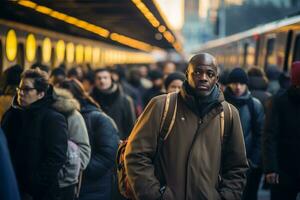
pixel 281 141
pixel 103 135
pixel 37 137
pixel 114 102
pixel 8 184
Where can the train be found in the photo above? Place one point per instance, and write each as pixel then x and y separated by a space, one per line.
pixel 26 45
pixel 276 44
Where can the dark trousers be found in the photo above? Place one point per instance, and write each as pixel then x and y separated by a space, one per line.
pixel 253 181
pixel 279 192
pixel 68 193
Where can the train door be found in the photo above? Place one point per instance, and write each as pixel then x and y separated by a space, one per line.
pixel 296 50
pixel 287 50
pixel 270 55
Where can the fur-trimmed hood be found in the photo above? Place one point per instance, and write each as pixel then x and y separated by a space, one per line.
pixel 65 103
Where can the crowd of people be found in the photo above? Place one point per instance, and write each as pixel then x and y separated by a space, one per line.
pixel 231 131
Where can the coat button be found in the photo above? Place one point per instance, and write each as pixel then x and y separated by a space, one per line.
pixel 182 118
pixel 200 121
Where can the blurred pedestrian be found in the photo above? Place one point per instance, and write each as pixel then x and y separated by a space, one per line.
pixel 174 82
pixel 36 136
pixel 281 141
pixel 252 118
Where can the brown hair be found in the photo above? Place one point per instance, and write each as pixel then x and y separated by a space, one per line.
pixel 40 79
pixel 76 88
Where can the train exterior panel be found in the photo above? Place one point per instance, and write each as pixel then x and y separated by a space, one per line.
pixel 274 44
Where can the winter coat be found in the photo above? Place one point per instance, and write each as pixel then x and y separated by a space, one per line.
pixel 8 184
pixel 281 140
pixel 6 100
pixel 103 134
pixel 37 140
pixel 150 93
pixel 252 128
pixel 118 106
pixel 190 158
pixel 77 131
pixel 258 87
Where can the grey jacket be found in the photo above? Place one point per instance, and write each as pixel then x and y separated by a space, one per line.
pixel 67 105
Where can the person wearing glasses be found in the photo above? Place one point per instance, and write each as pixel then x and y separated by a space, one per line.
pixel 36 136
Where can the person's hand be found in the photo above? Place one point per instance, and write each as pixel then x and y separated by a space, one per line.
pixel 272 178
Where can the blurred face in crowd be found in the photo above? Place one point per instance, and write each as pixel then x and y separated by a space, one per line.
pixel 103 80
pixel 158 83
pixel 143 71
pixel 56 80
pixel 27 94
pixel 169 68
pixel 175 86
pixel 238 89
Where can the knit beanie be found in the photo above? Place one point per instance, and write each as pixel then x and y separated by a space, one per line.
pixel 237 75
pixel 295 73
pixel 174 76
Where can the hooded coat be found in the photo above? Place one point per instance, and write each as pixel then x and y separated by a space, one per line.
pixel 190 158
pixel 258 87
pixel 77 131
pixel 103 135
pixel 37 140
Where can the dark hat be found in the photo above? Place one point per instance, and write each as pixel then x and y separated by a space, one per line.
pixel 155 74
pixel 174 76
pixel 237 75
pixel 295 73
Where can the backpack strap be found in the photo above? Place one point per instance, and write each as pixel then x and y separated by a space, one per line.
pixel 225 119
pixel 253 115
pixel 169 115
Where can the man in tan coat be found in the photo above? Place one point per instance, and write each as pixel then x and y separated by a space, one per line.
pixel 190 160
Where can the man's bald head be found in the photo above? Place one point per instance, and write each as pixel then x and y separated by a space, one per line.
pixel 203 59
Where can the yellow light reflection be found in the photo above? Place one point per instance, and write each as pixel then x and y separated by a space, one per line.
pixel 70 52
pixel 11 45
pixel 88 54
pixel 96 55
pixel 46 50
pixel 79 54
pixel 60 51
pixel 30 47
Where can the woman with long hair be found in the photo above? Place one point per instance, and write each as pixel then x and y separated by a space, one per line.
pixel 103 135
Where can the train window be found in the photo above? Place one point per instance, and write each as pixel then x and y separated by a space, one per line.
pixel 11 45
pixel 296 55
pixel 270 54
pixel 88 54
pixel 79 54
pixel 30 47
pixel 96 55
pixel 60 51
pixel 70 52
pixel 47 50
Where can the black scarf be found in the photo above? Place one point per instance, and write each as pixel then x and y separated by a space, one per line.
pixel 106 97
pixel 203 104
pixel 237 101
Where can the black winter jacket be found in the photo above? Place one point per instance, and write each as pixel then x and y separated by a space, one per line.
pixel 37 140
pixel 103 135
pixel 281 140
pixel 118 106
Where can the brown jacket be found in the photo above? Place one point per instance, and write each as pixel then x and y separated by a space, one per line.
pixel 191 155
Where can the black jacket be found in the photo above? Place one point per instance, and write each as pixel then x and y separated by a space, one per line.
pixel 37 140
pixel 258 87
pixel 281 140
pixel 118 106
pixel 103 135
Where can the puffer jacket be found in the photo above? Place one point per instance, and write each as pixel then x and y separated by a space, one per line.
pixel 190 158
pixel 103 135
pixel 77 131
pixel 252 128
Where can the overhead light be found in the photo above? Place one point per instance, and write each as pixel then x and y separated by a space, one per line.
pixel 93 28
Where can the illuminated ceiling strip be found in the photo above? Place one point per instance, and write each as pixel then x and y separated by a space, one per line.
pixel 91 27
pixel 156 24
